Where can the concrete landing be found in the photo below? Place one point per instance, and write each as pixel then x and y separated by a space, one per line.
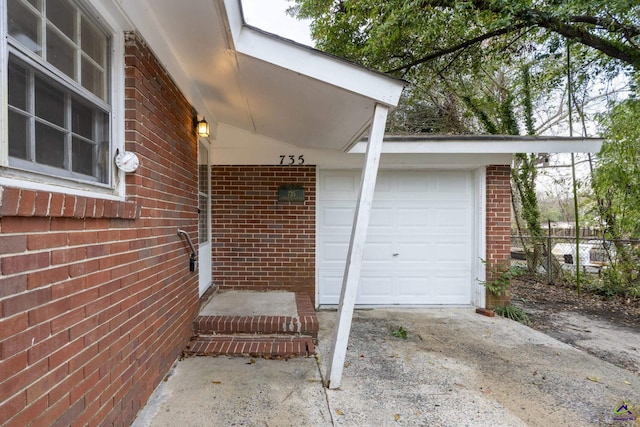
pixel 250 303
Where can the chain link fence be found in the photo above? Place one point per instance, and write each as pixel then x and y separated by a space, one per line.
pixel 607 267
pixel 592 255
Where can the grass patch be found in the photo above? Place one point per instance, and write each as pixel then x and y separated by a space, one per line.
pixel 514 313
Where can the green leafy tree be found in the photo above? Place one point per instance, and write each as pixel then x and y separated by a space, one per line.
pixel 398 35
pixel 466 47
pixel 617 185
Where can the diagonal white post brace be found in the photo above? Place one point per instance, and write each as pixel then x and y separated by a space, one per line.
pixel 356 248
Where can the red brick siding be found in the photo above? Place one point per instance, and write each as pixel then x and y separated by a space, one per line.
pixel 498 223
pixel 258 242
pixel 96 297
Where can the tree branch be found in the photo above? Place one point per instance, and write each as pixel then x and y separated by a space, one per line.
pixel 619 51
pixel 534 17
pixel 460 46
pixel 607 23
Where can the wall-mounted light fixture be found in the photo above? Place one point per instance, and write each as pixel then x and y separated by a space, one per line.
pixel 203 128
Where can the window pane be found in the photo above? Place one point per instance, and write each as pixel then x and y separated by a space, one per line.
pixel 103 160
pixel 36 3
pixel 102 138
pixel 23 26
pixel 93 78
pixel 49 103
pixel 17 86
pixel 60 54
pixel 81 120
pixel 18 135
pixel 203 235
pixel 82 157
pixel 49 146
pixel 53 121
pixel 93 42
pixel 63 16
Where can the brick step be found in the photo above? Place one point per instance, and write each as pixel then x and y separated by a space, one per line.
pixel 305 322
pixel 270 346
pixel 227 325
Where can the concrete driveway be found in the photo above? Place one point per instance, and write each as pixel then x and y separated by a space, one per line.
pixel 454 368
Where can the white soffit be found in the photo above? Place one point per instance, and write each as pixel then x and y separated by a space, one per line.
pixel 247 78
pixel 484 144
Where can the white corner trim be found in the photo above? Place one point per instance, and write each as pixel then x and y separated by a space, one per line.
pixel 317 260
pixel 481 234
pixel 4 95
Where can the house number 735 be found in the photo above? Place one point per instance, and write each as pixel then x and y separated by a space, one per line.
pixel 291 160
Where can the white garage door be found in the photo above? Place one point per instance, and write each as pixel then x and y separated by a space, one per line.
pixel 419 243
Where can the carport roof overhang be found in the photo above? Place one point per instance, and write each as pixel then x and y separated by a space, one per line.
pixel 483 144
pixel 246 78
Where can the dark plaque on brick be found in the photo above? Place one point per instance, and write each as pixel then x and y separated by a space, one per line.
pixel 291 193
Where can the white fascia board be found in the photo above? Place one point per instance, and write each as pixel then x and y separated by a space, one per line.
pixel 232 9
pixel 577 145
pixel 235 146
pixel 140 14
pixel 310 62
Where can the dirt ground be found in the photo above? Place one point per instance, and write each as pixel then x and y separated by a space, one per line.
pixel 606 328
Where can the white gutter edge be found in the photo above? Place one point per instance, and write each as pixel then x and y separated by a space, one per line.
pixel 452 145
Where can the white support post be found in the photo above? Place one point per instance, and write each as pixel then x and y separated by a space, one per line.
pixel 356 248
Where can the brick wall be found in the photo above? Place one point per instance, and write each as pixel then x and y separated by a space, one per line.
pixel 96 297
pixel 498 223
pixel 258 242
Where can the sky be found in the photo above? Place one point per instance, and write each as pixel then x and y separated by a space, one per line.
pixel 270 15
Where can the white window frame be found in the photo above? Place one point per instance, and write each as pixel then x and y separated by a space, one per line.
pixel 111 21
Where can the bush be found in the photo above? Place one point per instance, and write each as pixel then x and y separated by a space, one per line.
pixel 502 275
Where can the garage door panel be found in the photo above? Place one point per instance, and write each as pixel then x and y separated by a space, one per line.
pixel 451 183
pixel 334 252
pixel 414 253
pixel 375 289
pixel 412 289
pixel 450 288
pixel 337 217
pixel 380 219
pixel 378 252
pixel 413 217
pixel 425 217
pixel 447 253
pixel 340 185
pixel 385 183
pixel 453 220
pixel 410 185
pixel 414 183
pixel 332 285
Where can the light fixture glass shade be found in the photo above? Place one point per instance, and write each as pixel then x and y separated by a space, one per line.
pixel 203 128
